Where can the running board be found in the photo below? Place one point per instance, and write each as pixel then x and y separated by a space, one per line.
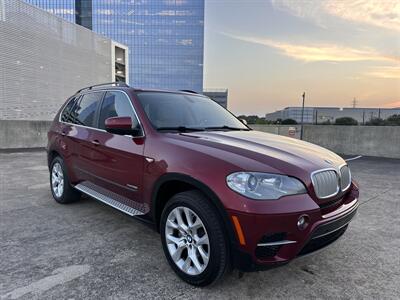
pixel 98 193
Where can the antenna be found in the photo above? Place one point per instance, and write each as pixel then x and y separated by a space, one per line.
pixel 354 102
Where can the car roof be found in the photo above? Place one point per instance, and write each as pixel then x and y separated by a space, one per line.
pixel 125 87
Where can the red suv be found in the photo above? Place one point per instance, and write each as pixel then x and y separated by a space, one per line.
pixel 222 195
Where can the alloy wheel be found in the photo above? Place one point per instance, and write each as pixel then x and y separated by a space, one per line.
pixel 187 240
pixel 57 180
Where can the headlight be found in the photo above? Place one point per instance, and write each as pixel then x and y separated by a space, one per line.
pixel 264 186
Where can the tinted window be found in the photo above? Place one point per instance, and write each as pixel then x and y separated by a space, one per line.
pixel 85 110
pixel 116 104
pixel 66 114
pixel 181 110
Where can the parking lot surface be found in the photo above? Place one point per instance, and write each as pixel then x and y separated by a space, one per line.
pixel 89 250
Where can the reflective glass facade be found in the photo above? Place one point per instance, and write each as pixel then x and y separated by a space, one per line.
pixel 61 8
pixel 165 37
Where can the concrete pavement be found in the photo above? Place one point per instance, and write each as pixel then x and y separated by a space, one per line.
pixel 89 250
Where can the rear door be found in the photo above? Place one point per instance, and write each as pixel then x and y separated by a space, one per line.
pixel 83 118
pixel 66 137
pixel 118 160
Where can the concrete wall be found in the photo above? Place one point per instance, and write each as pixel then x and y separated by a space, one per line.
pixel 286 130
pixel 382 141
pixel 17 134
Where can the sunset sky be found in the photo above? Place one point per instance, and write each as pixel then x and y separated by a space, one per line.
pixel 267 52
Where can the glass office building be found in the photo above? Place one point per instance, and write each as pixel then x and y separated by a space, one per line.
pixel 165 37
pixel 61 8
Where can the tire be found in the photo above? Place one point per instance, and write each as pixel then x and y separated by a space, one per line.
pixel 210 261
pixel 60 186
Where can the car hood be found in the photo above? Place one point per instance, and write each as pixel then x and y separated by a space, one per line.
pixel 281 153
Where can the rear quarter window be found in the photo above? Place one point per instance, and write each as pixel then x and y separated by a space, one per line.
pixel 66 113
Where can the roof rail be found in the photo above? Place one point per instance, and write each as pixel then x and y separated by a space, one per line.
pixel 189 91
pixel 115 83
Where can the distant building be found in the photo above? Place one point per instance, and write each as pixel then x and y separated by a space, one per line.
pixel 45 59
pixel 318 115
pixel 218 95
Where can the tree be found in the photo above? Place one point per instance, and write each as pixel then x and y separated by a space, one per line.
pixel 261 121
pixel 289 122
pixel 346 121
pixel 393 120
pixel 375 122
pixel 254 119
pixel 327 122
pixel 251 119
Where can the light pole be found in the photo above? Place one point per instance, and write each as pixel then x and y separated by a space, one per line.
pixel 302 116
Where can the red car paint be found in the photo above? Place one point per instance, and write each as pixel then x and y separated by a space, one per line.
pixel 204 160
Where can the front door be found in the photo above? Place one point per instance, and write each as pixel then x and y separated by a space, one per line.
pixel 117 160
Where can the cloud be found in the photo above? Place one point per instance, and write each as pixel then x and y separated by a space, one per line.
pixel 318 52
pixel 379 13
pixel 387 72
pixel 395 104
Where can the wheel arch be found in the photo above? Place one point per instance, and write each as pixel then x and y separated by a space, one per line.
pixel 173 183
pixel 51 155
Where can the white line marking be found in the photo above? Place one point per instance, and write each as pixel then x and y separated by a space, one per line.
pixel 353 158
pixel 37 168
pixel 60 276
pixel 39 186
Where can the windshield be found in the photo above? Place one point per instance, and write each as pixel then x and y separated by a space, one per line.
pixel 169 111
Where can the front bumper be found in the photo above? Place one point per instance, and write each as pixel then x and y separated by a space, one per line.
pixel 273 240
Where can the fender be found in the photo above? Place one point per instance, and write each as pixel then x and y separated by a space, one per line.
pixel 201 187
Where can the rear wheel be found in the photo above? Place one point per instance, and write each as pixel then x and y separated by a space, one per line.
pixel 193 238
pixel 61 188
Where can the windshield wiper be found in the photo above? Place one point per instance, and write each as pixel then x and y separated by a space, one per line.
pixel 181 128
pixel 225 127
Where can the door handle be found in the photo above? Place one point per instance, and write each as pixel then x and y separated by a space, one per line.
pixel 96 142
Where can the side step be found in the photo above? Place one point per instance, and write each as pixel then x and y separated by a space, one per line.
pixel 98 193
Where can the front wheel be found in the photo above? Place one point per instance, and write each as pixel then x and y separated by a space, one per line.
pixel 193 239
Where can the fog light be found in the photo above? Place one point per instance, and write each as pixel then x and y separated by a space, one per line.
pixel 302 222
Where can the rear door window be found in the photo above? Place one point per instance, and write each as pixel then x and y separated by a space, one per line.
pixel 84 113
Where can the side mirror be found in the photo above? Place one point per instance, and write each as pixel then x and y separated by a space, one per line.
pixel 243 121
pixel 121 125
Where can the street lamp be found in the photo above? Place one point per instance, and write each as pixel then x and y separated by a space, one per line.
pixel 302 116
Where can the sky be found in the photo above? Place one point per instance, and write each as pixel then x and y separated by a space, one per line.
pixel 268 52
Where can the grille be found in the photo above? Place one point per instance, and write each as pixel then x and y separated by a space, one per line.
pixel 331 203
pixel 345 178
pixel 327 228
pixel 326 183
pixel 321 242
